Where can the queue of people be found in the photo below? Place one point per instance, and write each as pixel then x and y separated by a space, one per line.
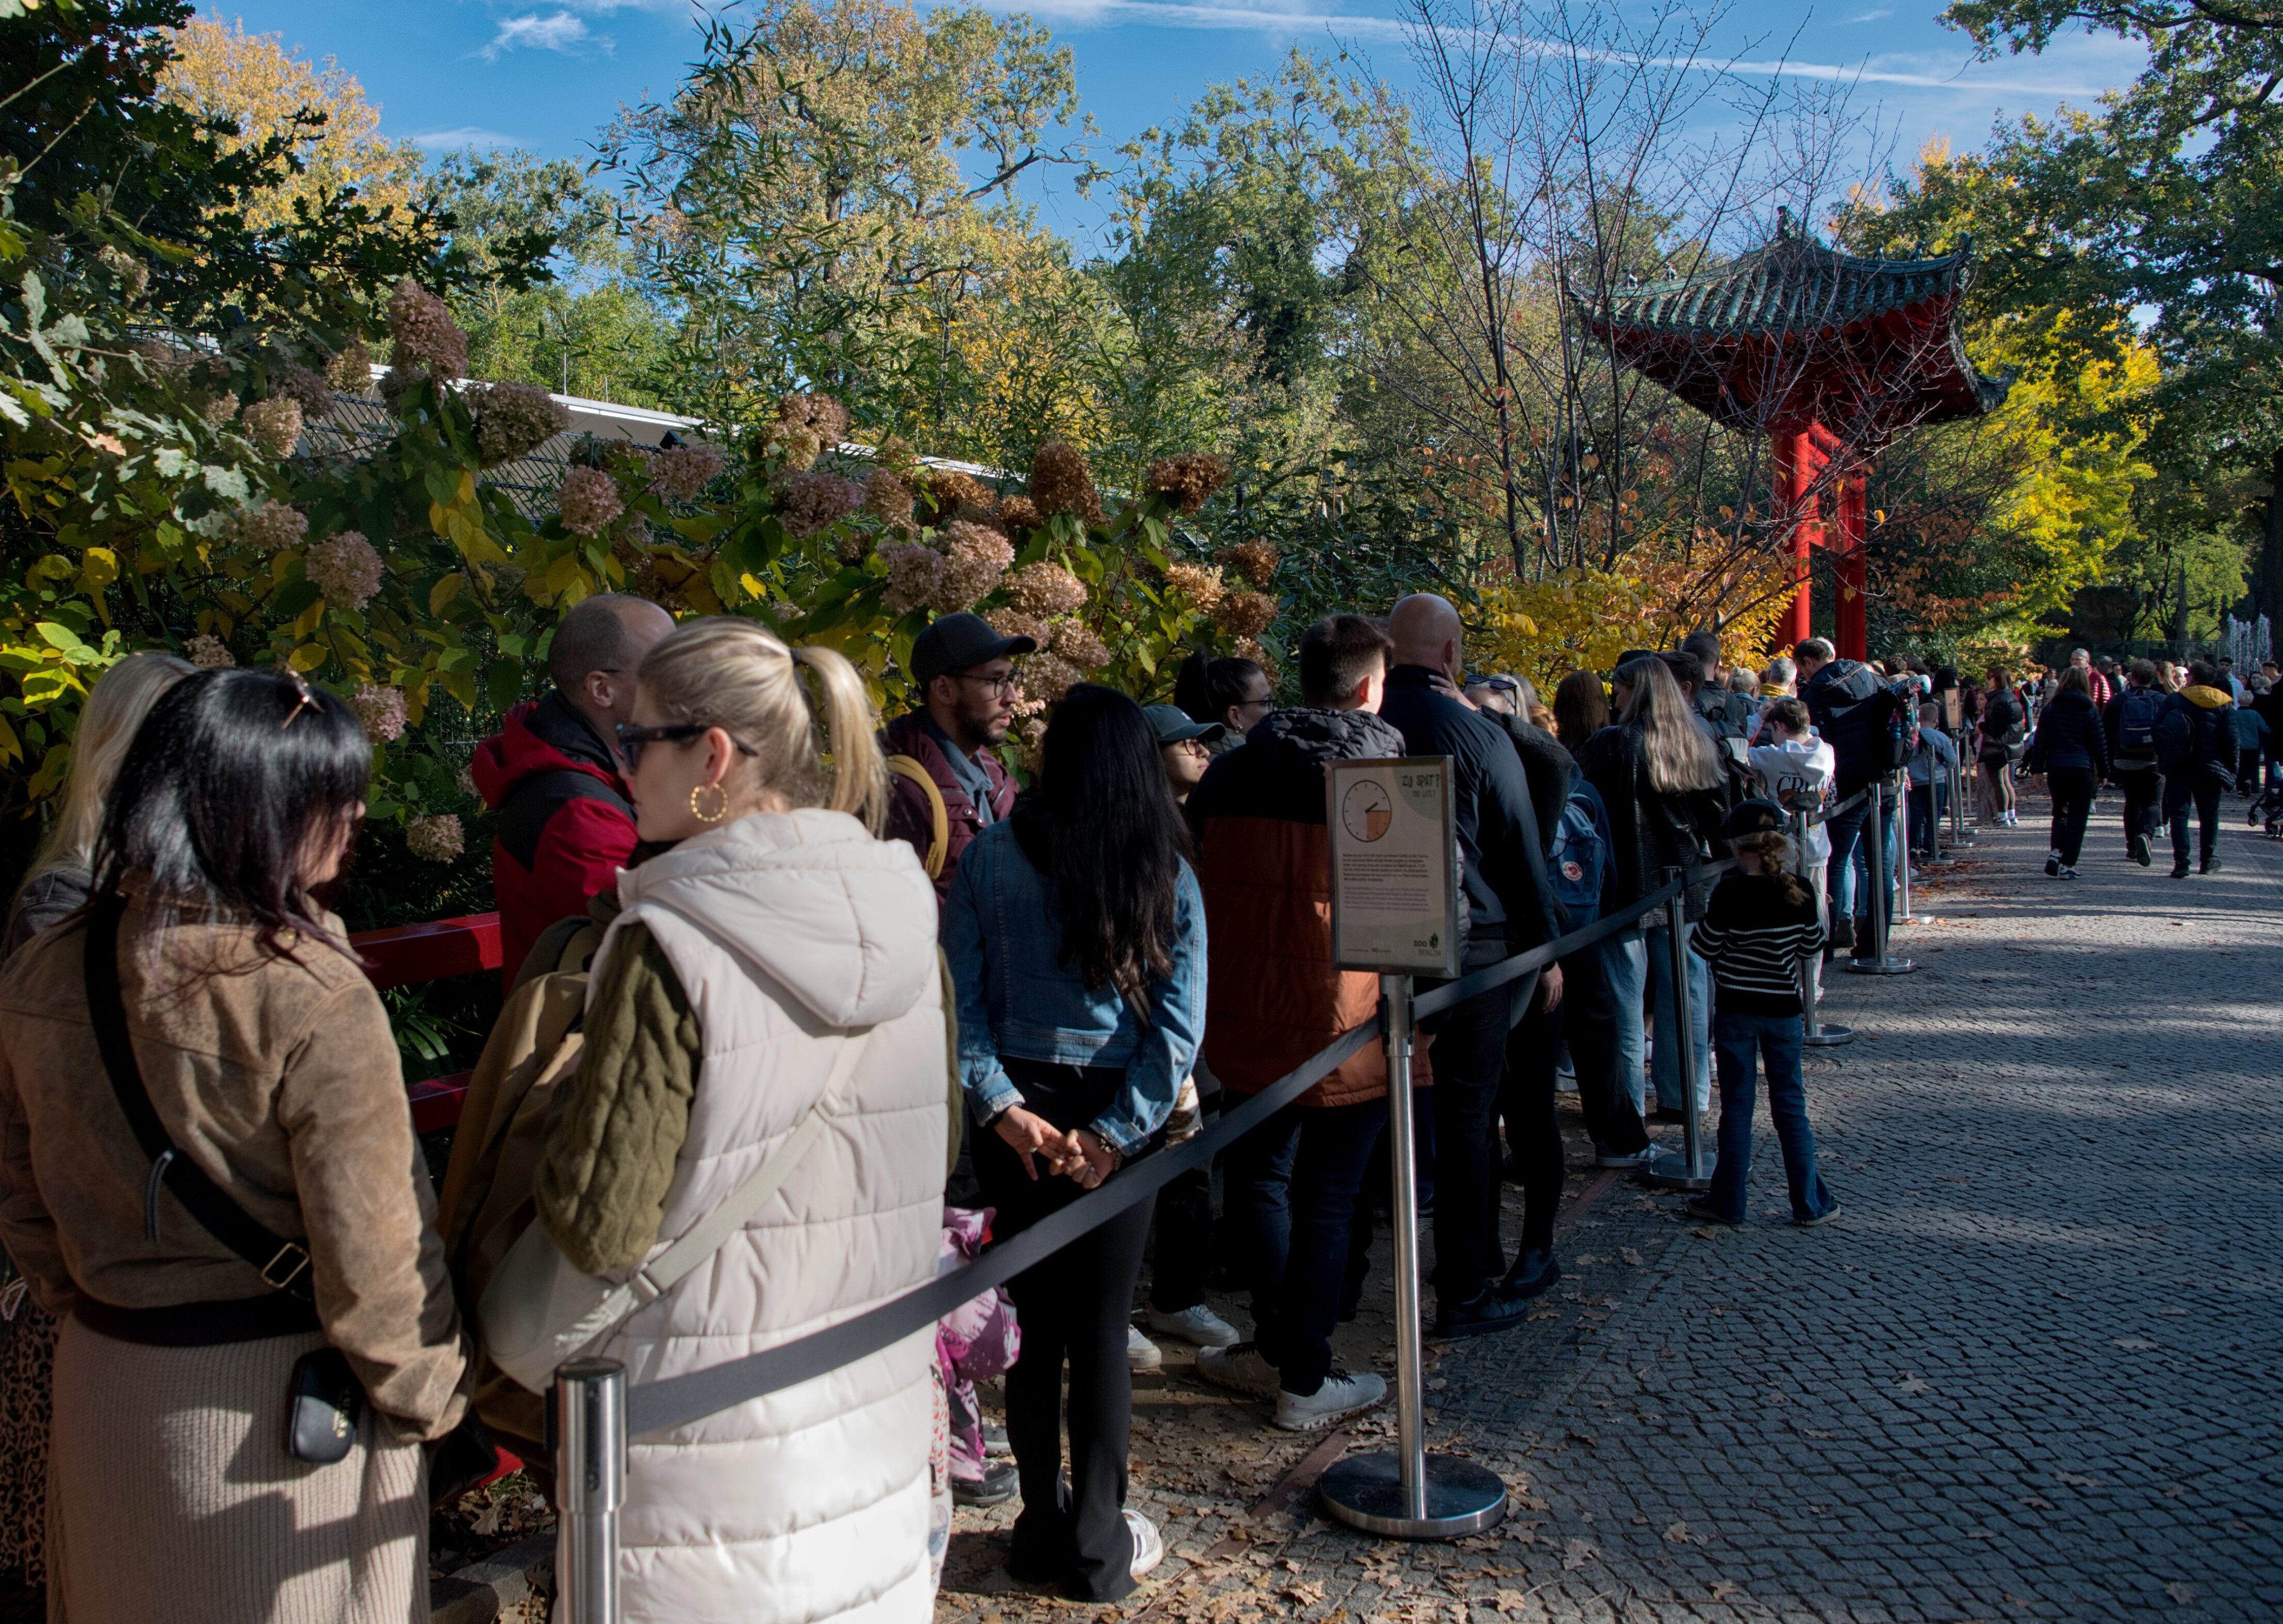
pixel 851 964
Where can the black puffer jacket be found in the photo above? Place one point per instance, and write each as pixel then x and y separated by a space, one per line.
pixel 1649 831
pixel 1548 768
pixel 2070 735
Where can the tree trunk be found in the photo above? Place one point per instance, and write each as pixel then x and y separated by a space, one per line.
pixel 2271 556
pixel 2180 616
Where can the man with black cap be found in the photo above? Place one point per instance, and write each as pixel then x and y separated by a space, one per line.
pixel 948 784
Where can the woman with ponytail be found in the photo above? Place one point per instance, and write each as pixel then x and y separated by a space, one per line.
pixel 1761 925
pixel 778 937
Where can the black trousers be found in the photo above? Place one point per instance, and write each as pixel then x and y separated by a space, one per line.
pixel 1074 1309
pixel 1469 1064
pixel 2144 796
pixel 1588 1018
pixel 1181 1254
pixel 1533 1132
pixel 2202 785
pixel 2073 789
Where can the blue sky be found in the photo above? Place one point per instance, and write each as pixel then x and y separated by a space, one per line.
pixel 548 74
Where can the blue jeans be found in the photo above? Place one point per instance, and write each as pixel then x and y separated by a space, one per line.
pixel 1665 1059
pixel 1625 961
pixel 1294 1182
pixel 1743 1042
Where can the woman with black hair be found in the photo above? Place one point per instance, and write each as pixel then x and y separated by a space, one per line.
pixel 209 1173
pixel 1234 692
pixel 1076 934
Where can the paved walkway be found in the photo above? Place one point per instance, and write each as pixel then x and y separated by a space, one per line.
pixel 2031 1374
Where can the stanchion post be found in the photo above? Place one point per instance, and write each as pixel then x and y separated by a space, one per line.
pixel 1883 894
pixel 590 1483
pixel 1901 855
pixel 1813 1033
pixel 1408 1494
pixel 1695 1171
pixel 1959 833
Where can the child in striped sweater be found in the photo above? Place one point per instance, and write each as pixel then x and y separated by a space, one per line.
pixel 1759 925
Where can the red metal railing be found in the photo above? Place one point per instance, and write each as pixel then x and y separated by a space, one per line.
pixel 405 955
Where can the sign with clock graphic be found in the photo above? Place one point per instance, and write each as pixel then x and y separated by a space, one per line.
pixel 1395 890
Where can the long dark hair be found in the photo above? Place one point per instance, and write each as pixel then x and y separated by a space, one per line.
pixel 1204 688
pixel 227 783
pixel 1099 824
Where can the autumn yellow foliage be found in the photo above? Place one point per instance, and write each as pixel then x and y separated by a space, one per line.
pixel 1579 619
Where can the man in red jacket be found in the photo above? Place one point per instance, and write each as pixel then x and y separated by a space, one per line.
pixel 966 674
pixel 552 773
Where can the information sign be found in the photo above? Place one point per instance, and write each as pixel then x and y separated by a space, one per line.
pixel 1395 891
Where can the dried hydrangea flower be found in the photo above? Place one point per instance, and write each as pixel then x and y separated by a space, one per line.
pixel 133 274
pixel 1075 642
pixel 913 569
pixel 797 447
pixel 1020 513
pixel 1200 583
pixel 350 370
pixel 437 837
pixel 808 502
pixel 822 415
pixel 303 388
pixel 1061 483
pixel 1245 615
pixel 220 409
pixel 271 526
pixel 514 420
pixel 682 473
pixel 1014 623
pixel 1045 590
pixel 345 568
pixel 1258 652
pixel 427 339
pixel 588 500
pixel 1256 561
pixel 1049 676
pixel 888 499
pixel 207 652
pixel 274 424
pixel 1190 479
pixel 382 712
pixel 169 364
pixel 951 491
pixel 976 558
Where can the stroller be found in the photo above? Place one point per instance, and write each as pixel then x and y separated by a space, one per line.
pixel 2268 809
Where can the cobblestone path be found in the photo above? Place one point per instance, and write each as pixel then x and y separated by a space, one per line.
pixel 2031 1374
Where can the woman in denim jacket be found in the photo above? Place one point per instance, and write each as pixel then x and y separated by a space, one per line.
pixel 1076 933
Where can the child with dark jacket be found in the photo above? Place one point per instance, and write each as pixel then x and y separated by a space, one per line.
pixel 1759 925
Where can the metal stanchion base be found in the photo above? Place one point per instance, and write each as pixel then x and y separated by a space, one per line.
pixel 1880 966
pixel 1829 1037
pixel 1670 1171
pixel 1366 1492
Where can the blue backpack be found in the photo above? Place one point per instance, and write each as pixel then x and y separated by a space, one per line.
pixel 2138 713
pixel 1579 858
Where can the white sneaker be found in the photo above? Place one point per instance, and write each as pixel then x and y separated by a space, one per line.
pixel 1239 1366
pixel 1640 1158
pixel 1342 1395
pixel 1148 1544
pixel 1200 1326
pixel 1140 1353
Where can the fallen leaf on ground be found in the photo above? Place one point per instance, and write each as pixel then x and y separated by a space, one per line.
pixel 1631 1255
pixel 1576 1554
pixel 2181 1594
pixel 1678 1533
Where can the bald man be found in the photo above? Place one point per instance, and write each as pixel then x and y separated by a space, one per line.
pixel 1509 909
pixel 551 772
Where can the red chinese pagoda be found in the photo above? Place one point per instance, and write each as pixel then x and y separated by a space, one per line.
pixel 1829 356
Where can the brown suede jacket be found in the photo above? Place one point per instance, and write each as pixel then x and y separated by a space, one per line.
pixel 280 1079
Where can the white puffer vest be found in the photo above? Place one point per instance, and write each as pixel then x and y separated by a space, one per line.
pixel 786 929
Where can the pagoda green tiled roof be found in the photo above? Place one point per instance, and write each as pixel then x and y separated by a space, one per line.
pixel 1792 285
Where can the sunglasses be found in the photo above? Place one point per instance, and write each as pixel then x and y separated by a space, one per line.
pixel 631 740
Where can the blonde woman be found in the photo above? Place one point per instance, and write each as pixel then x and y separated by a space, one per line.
pixel 1664 789
pixel 57 886
pixel 776 931
pixel 57 883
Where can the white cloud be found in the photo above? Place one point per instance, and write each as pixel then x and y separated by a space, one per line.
pixel 467 134
pixel 1869 16
pixel 560 31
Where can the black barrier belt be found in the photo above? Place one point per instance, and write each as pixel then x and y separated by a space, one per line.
pixel 656 1406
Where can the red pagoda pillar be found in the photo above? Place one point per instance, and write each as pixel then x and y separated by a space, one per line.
pixel 1848 568
pixel 1800 462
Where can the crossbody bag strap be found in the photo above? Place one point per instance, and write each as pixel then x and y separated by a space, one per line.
pixel 283 1264
pixel 705 1237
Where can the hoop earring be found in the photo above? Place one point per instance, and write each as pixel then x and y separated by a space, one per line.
pixel 702 815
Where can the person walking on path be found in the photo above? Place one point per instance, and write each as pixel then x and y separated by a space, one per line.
pixel 1273 998
pixel 2130 724
pixel 2071 747
pixel 948 784
pixel 565 827
pixel 206 1003
pixel 1077 940
pixel 776 947
pixel 1664 787
pixel 1760 926
pixel 1508 908
pixel 2195 745
pixel 1928 771
pixel 2000 736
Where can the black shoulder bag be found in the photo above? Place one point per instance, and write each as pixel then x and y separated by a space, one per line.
pixel 323 1400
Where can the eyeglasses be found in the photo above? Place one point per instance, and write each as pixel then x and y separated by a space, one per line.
pixel 1191 747
pixel 1497 684
pixel 308 701
pixel 631 740
pixel 1000 686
